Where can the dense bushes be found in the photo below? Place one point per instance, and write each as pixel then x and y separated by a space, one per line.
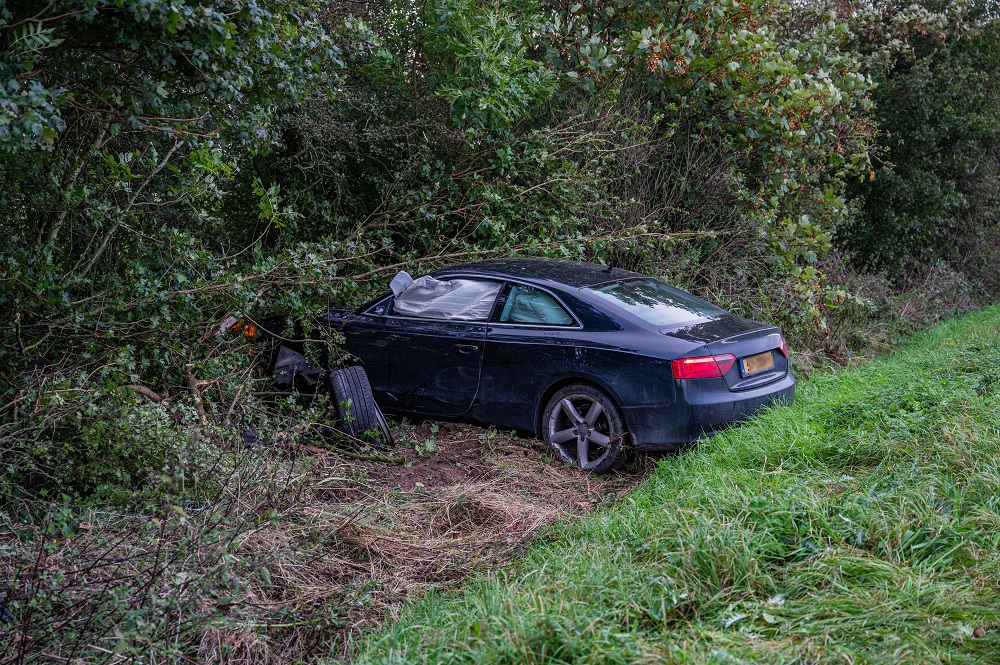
pixel 670 125
pixel 167 165
pixel 937 189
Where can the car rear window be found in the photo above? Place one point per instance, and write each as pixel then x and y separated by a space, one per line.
pixel 657 303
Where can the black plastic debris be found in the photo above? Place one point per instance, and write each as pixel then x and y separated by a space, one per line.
pixel 6 616
pixel 251 437
pixel 293 371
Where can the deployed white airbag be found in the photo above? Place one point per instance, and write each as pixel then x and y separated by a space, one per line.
pixel 453 299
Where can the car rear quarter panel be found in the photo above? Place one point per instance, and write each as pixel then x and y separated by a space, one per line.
pixel 522 367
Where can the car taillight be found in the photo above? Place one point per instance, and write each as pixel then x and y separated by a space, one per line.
pixel 703 367
pixel 782 347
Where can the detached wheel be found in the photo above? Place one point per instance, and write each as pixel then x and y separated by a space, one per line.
pixel 357 412
pixel 585 426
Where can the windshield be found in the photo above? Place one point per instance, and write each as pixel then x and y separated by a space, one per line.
pixel 656 303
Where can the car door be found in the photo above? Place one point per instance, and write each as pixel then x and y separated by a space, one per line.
pixel 366 340
pixel 433 365
pixel 434 360
pixel 529 345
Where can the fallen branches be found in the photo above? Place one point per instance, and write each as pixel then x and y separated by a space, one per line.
pixel 153 396
pixel 193 386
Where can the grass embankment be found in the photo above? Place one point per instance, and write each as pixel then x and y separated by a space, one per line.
pixel 860 525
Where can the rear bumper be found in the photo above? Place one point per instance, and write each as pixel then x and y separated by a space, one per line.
pixel 702 407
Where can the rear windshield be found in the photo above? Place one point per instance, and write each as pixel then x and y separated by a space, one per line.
pixel 655 302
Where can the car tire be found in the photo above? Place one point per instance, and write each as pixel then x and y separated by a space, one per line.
pixel 579 418
pixel 357 413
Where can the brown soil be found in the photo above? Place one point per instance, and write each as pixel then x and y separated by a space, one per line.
pixel 458 457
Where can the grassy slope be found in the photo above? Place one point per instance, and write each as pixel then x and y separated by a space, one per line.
pixel 860 525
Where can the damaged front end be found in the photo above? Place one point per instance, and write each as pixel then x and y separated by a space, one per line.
pixel 292 372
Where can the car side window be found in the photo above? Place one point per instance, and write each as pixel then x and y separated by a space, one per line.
pixel 449 299
pixel 526 304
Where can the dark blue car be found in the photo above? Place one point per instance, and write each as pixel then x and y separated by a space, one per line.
pixel 591 359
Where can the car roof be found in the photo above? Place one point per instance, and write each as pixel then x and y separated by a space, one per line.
pixel 541 270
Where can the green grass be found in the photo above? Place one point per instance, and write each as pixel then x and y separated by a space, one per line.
pixel 861 525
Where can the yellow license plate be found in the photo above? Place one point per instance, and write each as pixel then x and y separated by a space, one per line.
pixel 758 363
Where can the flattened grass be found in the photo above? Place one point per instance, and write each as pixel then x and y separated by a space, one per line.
pixel 860 525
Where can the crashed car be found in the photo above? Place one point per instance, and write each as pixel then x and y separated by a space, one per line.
pixel 591 359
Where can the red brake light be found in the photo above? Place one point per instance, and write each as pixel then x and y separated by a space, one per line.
pixel 704 367
pixel 783 347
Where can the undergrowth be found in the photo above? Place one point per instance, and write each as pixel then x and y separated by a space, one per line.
pixel 859 525
pixel 274 550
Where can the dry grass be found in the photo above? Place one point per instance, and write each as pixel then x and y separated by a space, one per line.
pixel 298 557
pixel 372 535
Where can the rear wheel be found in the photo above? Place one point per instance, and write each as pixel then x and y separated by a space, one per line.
pixel 585 426
pixel 356 409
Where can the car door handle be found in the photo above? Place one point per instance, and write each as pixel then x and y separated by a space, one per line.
pixel 466 348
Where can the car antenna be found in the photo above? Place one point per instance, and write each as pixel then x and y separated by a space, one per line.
pixel 608 269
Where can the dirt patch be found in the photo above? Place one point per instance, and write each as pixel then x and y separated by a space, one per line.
pixel 437 455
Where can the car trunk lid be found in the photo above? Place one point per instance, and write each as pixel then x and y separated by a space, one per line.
pixel 748 341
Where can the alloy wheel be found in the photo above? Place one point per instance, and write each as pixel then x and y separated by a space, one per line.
pixel 579 427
